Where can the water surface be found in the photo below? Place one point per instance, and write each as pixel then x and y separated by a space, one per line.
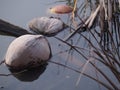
pixel 54 77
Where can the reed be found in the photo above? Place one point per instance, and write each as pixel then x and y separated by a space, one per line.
pixel 103 40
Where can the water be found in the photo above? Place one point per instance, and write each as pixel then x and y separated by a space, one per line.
pixel 54 77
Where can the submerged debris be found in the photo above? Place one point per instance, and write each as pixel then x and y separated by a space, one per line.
pixel 28 51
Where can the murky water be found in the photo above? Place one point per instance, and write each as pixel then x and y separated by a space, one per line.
pixel 51 77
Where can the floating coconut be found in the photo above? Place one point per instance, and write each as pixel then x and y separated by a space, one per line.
pixel 28 51
pixel 46 26
pixel 61 9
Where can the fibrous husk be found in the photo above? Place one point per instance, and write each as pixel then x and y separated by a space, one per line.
pixel 46 26
pixel 27 51
pixel 61 9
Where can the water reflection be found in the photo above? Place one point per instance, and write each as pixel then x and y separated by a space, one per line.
pixel 30 74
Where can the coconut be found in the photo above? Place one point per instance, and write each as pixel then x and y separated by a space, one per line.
pixel 61 9
pixel 46 26
pixel 27 51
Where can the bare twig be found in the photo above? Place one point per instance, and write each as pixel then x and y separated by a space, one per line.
pixel 14 73
pixel 2 62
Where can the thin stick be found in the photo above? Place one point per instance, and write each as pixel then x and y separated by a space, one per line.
pixel 2 62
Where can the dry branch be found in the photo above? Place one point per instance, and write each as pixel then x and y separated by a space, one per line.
pixel 11 29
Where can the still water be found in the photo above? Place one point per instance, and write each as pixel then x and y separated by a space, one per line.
pixel 51 77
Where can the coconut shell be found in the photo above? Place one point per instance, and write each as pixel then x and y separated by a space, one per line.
pixel 46 26
pixel 27 51
pixel 61 9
